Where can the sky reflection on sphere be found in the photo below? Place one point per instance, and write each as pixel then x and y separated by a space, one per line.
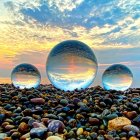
pixel 117 77
pixel 71 64
pixel 25 76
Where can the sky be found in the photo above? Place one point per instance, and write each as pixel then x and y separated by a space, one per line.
pixel 29 29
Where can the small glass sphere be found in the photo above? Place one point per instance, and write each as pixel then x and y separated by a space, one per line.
pixel 25 76
pixel 117 77
pixel 71 65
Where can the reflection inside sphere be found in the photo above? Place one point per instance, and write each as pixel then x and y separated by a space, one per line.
pixel 70 65
pixel 117 77
pixel 25 76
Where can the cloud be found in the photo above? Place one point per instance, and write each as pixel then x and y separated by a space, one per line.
pixel 64 5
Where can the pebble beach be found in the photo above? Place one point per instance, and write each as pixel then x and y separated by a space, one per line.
pixel 47 113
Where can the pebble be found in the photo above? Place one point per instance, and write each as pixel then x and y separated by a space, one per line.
pixel 2 135
pixel 79 131
pixel 118 123
pixel 23 128
pixel 2 116
pixel 7 138
pixel 25 136
pixel 133 138
pixel 15 135
pixel 9 127
pixel 38 132
pixel 37 100
pixel 131 114
pixel 56 126
pixel 94 121
pixel 131 128
pixel 38 125
pixel 27 112
pixel 63 101
pixel 54 138
pixel 137 120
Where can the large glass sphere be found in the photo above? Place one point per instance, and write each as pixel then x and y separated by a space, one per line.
pixel 25 76
pixel 71 65
pixel 117 77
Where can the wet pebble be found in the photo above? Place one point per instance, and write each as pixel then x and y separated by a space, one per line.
pixel 54 138
pixel 2 136
pixel 56 126
pixel 37 100
pixel 38 132
pixel 79 131
pixel 131 128
pixel 23 128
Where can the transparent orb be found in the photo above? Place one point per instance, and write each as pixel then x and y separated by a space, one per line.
pixel 117 77
pixel 71 65
pixel 25 76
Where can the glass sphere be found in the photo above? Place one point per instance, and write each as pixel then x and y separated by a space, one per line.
pixel 25 76
pixel 71 65
pixel 117 77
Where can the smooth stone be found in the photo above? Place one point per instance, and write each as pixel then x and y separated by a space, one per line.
pixel 93 121
pixel 27 112
pixel 7 138
pixel 118 123
pixel 79 131
pixel 45 121
pixel 76 101
pixel 123 134
pixel 112 133
pixel 56 126
pixel 66 109
pixel 2 116
pixel 93 135
pixel 15 135
pixel 54 138
pixel 131 128
pixel 9 127
pixel 64 101
pixel 72 122
pixel 26 119
pixel 4 124
pixel 131 114
pixel 18 110
pixel 38 132
pixel 111 116
pixel 133 138
pixel 49 134
pixel 51 116
pixel 100 137
pixel 137 120
pixel 109 137
pixel 23 127
pixel 38 125
pixel 108 101
pixel 2 136
pixel 102 104
pixel 37 100
pixel 131 133
pixel 9 120
pixel 8 106
pixel 71 134
pixel 30 122
pixel 25 136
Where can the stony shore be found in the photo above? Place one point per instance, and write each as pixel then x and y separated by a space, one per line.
pixel 47 113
